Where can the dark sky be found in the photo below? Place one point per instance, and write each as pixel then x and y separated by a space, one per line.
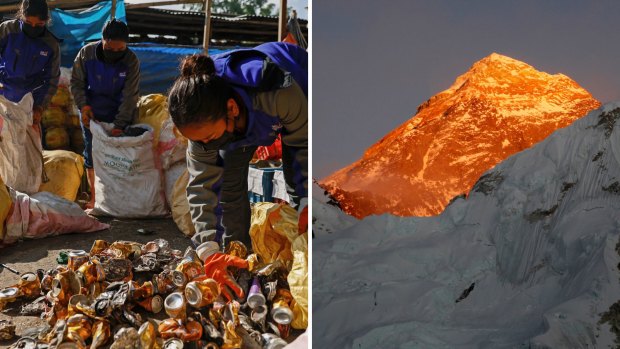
pixel 374 62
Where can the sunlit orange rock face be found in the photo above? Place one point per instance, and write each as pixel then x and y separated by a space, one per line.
pixel 499 107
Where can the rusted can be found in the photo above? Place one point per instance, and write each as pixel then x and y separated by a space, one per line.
pixel 175 306
pixel 98 247
pixel 76 259
pixel 101 334
pixel 255 296
pixel 201 293
pixel 154 304
pixel 74 306
pixel 285 330
pixel 65 285
pixel 125 249
pixel 162 283
pixel 186 271
pixel 237 249
pixel 8 295
pixel 148 335
pixel 90 272
pixel 79 328
pixel 29 285
pixel 137 291
pixel 173 343
pixel 281 311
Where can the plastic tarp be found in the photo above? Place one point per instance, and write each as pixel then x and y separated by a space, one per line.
pixel 74 28
pixel 45 214
pixel 159 64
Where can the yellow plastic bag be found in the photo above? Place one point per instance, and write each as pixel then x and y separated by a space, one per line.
pixel 273 227
pixel 298 282
pixel 5 207
pixel 62 98
pixel 64 170
pixel 54 117
pixel 180 206
pixel 153 110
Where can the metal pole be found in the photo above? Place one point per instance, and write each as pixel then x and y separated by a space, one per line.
pixel 207 31
pixel 113 12
pixel 283 19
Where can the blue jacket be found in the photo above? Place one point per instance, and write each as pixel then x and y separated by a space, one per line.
pixel 27 64
pixel 111 90
pixel 272 80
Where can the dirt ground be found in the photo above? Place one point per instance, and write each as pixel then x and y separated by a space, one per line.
pixel 41 254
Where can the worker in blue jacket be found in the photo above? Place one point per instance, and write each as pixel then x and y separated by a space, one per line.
pixel 30 57
pixel 227 106
pixel 105 85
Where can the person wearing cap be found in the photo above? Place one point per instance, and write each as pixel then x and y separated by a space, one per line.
pixel 105 85
pixel 29 57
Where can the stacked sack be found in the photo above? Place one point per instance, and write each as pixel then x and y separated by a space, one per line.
pixel 60 121
pixel 171 147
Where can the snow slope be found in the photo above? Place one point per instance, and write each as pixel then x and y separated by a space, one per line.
pixel 536 237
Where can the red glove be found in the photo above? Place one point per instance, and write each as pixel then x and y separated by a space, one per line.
pixel 216 268
pixel 116 132
pixel 302 223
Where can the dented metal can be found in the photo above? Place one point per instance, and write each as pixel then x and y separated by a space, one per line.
pixel 237 249
pixel 154 304
pixel 173 343
pixel 98 247
pixel 101 334
pixel 64 286
pixel 186 271
pixel 281 311
pixel 201 293
pixel 255 296
pixel 175 306
pixel 76 259
pixel 29 285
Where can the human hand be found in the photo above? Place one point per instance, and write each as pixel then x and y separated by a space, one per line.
pixel 87 115
pixel 116 132
pixel 216 268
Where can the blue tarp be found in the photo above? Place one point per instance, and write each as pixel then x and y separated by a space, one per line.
pixel 159 64
pixel 74 28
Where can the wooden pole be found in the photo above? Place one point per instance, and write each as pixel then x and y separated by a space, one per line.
pixel 113 12
pixel 283 19
pixel 207 30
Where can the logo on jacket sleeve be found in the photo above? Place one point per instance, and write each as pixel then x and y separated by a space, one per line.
pixel 43 53
pixel 122 74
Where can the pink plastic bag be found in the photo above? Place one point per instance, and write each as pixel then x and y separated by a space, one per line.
pixel 45 214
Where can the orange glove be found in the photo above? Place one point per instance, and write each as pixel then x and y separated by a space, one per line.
pixel 302 223
pixel 216 268
pixel 87 115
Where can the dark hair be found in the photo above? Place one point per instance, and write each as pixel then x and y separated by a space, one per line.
pixel 115 30
pixel 198 94
pixel 37 8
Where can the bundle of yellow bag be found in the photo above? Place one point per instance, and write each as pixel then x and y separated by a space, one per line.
pixel 275 236
pixel 61 126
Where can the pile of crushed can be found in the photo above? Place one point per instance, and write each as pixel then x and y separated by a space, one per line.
pixel 115 293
